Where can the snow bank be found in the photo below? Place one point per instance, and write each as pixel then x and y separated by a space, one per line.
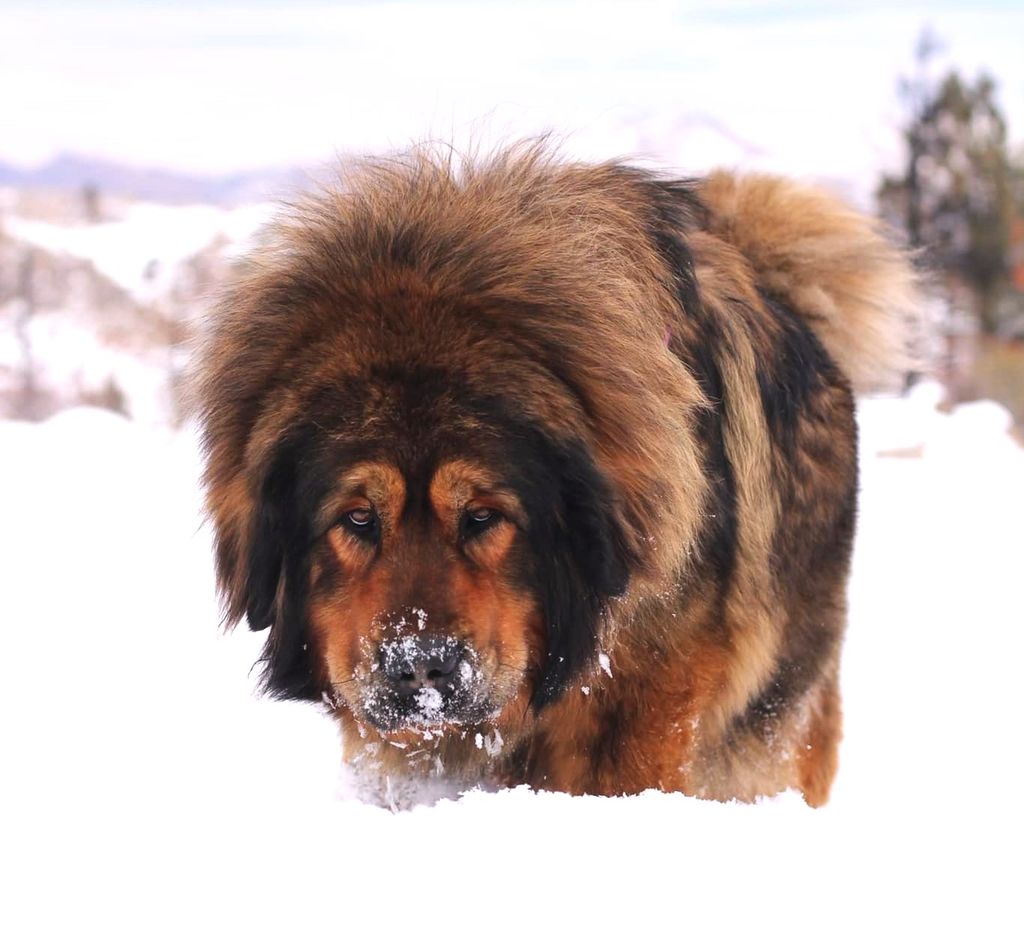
pixel 148 796
pixel 142 249
pixel 107 307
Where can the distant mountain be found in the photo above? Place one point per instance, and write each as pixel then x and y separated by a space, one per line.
pixel 73 171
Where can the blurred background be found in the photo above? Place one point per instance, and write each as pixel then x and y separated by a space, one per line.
pixel 144 143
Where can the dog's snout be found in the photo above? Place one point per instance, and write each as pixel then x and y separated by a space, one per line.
pixel 414 663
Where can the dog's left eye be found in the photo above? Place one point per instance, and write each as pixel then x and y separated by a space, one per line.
pixel 477 520
pixel 361 522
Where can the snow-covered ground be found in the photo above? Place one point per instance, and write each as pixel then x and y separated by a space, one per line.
pixel 113 300
pixel 148 796
pixel 141 249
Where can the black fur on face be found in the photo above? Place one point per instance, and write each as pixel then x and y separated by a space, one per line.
pixel 575 558
pixel 579 555
pixel 582 562
pixel 278 571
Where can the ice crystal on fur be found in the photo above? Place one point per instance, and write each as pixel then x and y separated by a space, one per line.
pixel 428 709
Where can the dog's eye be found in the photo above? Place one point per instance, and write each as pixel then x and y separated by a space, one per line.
pixel 360 521
pixel 477 520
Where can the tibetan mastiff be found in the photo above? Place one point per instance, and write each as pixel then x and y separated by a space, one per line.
pixel 538 472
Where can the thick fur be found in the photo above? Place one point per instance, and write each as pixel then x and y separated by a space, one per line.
pixel 655 377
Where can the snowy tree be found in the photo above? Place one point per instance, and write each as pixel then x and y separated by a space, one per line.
pixel 955 197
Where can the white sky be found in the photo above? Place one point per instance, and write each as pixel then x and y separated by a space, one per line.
pixel 806 87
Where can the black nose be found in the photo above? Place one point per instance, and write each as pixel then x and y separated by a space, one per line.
pixel 413 663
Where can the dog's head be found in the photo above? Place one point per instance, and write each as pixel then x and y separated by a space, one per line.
pixel 431 461
pixel 425 556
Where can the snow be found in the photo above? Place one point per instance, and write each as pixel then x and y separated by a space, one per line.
pixel 493 743
pixel 141 250
pixel 69 358
pixel 399 655
pixel 148 795
pixel 429 701
pixel 160 256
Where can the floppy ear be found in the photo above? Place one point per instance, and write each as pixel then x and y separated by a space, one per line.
pixel 267 540
pixel 276 580
pixel 584 560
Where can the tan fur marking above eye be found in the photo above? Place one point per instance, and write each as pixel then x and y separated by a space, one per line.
pixel 458 483
pixel 378 483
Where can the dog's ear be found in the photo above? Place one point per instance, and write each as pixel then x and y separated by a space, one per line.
pixel 276 578
pixel 267 540
pixel 583 561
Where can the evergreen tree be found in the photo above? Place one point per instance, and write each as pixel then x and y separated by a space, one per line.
pixel 955 198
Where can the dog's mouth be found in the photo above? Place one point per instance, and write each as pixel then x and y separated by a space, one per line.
pixel 425 711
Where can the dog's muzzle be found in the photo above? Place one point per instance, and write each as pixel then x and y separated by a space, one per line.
pixel 425 681
pixel 414 665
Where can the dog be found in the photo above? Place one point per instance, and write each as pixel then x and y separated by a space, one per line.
pixel 538 472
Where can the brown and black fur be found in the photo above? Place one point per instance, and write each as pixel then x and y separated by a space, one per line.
pixel 650 382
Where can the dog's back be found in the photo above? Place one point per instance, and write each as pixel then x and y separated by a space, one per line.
pixel 788 301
